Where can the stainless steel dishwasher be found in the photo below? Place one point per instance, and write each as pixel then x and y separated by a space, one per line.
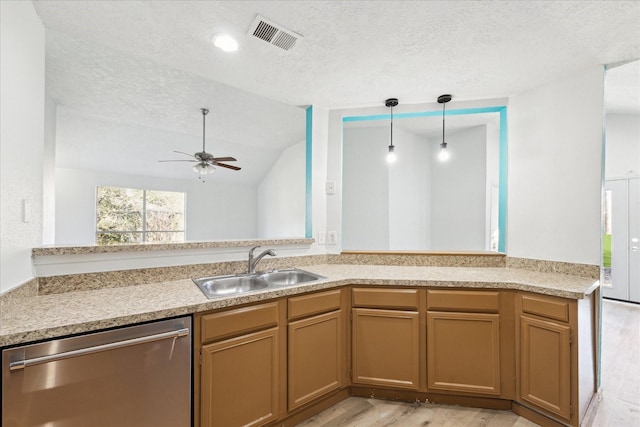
pixel 135 376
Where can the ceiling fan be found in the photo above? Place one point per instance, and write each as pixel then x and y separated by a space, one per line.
pixel 205 162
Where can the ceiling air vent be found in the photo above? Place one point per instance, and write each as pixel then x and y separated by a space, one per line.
pixel 273 33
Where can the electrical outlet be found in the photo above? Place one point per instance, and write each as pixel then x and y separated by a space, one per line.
pixel 332 238
pixel 321 238
pixel 330 187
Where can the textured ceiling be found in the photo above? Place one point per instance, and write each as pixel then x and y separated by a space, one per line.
pixel 144 67
pixel 121 113
pixel 357 53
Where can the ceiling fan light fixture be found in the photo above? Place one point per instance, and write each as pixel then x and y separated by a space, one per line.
pixel 206 163
pixel 204 168
pixel 224 42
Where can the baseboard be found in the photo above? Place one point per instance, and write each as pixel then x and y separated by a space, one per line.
pixel 313 409
pixel 535 417
pixel 592 409
pixel 445 399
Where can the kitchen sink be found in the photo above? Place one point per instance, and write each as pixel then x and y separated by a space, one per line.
pixel 228 285
pixel 292 276
pixel 221 286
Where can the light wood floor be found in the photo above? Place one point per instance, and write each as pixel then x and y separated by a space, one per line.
pixel 620 405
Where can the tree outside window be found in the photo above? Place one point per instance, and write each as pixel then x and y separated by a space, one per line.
pixel 129 215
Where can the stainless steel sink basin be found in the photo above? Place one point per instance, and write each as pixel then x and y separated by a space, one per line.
pixel 293 276
pixel 220 286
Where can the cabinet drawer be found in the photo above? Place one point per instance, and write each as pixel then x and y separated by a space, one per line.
pixel 386 298
pixel 240 321
pixel 307 305
pixel 546 307
pixel 466 301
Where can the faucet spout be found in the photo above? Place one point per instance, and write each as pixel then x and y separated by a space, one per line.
pixel 253 261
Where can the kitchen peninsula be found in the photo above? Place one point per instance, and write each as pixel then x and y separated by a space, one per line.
pixel 530 336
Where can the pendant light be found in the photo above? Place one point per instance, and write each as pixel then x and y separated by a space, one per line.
pixel 443 156
pixel 391 155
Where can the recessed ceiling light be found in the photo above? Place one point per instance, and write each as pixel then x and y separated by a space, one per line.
pixel 224 42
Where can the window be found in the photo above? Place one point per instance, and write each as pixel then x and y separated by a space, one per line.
pixel 129 215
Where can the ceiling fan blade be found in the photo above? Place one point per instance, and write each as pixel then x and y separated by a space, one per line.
pixel 222 165
pixel 182 152
pixel 224 159
pixel 177 160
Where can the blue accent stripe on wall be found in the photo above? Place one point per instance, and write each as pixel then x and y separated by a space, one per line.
pixel 502 189
pixel 308 230
pixel 424 114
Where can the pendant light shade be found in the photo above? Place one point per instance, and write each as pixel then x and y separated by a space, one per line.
pixel 391 155
pixel 443 156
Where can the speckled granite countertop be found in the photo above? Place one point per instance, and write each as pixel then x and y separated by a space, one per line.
pixel 48 316
pixel 146 247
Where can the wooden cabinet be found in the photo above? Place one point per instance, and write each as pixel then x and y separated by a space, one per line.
pixel 463 341
pixel 240 367
pixel 386 342
pixel 545 365
pixel 240 380
pixel 279 362
pixel 316 347
pixel 463 352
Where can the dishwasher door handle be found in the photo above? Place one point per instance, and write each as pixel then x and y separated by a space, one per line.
pixel 21 364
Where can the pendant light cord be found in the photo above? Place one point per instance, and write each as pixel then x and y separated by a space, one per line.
pixel 392 126
pixel 443 105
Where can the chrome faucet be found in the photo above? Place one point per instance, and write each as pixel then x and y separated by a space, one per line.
pixel 253 261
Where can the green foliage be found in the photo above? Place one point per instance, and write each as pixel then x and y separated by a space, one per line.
pixel 606 250
pixel 121 214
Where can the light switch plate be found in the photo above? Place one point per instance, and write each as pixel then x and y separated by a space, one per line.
pixel 321 238
pixel 26 210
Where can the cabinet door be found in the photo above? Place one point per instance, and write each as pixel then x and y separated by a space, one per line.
pixel 315 357
pixel 385 348
pixel 463 352
pixel 545 373
pixel 239 380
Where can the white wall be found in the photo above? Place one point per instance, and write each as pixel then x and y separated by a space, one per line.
pixel 22 74
pixel 281 196
pixel 365 189
pixel 214 211
pixel 49 176
pixel 319 163
pixel 409 194
pixel 622 145
pixel 418 202
pixel 493 185
pixel 385 206
pixel 458 192
pixel 554 169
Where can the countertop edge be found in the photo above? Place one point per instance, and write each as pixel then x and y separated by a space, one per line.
pixel 73 328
